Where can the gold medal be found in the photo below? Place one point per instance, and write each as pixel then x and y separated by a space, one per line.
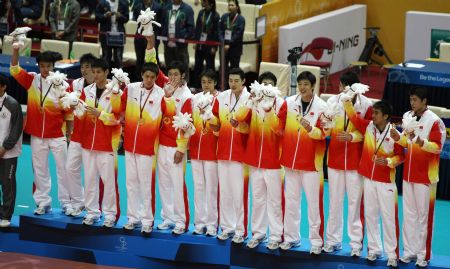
pixel 204 131
pixel 41 109
pixel 374 158
pixel 141 121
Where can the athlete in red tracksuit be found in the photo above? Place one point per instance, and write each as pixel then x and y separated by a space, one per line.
pixel 101 134
pixel 380 156
pixel 302 157
pixel 203 153
pixel 344 154
pixel 45 118
pixel 233 178
pixel 74 152
pixel 172 153
pixel 263 157
pixel 420 177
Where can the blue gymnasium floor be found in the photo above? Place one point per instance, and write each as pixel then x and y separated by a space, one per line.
pixel 25 204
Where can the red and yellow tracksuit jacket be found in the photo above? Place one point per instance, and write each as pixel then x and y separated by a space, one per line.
pixel 179 102
pixel 343 155
pixel 266 129
pixel 203 144
pixel 422 163
pixel 77 132
pixel 102 133
pixel 143 116
pixel 232 141
pixel 303 150
pixel 45 114
pixel 376 143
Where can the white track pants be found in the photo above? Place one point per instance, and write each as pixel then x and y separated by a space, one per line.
pixel 206 181
pixel 40 148
pixel 312 183
pixel 172 188
pixel 267 199
pixel 339 183
pixel 73 167
pixel 381 199
pixel 233 195
pixel 100 164
pixel 140 188
pixel 418 218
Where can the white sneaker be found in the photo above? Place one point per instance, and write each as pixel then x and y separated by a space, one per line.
pixel 68 211
pixel 392 262
pixel 330 248
pixel 4 223
pixel 238 239
pixel 146 229
pixel 224 236
pixel 109 223
pixel 273 245
pixel 421 263
pixel 254 242
pixel 372 257
pixel 356 252
pixel 178 230
pixel 130 226
pixel 165 226
pixel 408 258
pixel 89 220
pixel 199 230
pixel 288 245
pixel 76 212
pixel 41 210
pixel 316 250
pixel 211 232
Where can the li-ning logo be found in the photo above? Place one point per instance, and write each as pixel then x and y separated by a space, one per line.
pixel 122 247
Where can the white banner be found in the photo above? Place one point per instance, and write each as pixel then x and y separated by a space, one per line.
pixel 344 26
pixel 418 34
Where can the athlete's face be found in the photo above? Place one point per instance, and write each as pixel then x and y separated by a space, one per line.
pixel 305 88
pixel 267 81
pixel 417 104
pixel 175 76
pixel 86 72
pixel 100 75
pixel 208 84
pixel 148 79
pixel 45 68
pixel 378 117
pixel 236 83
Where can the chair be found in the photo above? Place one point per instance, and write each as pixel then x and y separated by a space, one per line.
pixel 439 111
pixel 56 46
pixel 80 48
pixel 129 54
pixel 7 46
pixel 283 74
pixel 316 49
pixel 326 96
pixel 249 57
pixel 42 19
pixel 444 52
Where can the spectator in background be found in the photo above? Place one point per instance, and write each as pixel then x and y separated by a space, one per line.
pixel 112 16
pixel 206 30
pixel 140 43
pixel 231 31
pixel 64 17
pixel 178 22
pixel 30 9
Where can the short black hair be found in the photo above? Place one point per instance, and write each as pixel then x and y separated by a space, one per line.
pixel 209 73
pixel 4 81
pixel 47 57
pixel 152 67
pixel 385 107
pixel 349 78
pixel 100 63
pixel 420 92
pixel 87 58
pixel 177 65
pixel 268 75
pixel 306 75
pixel 236 71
